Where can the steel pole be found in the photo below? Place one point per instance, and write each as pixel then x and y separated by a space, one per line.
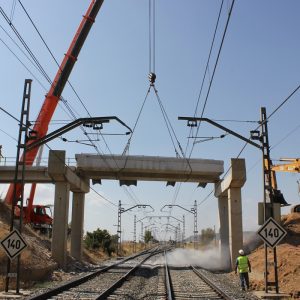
pixel 119 229
pixel 195 224
pixel 134 235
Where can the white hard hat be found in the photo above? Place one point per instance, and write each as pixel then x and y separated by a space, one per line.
pixel 241 252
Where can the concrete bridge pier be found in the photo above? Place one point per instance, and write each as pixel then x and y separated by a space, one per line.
pixel 77 225
pixel 224 232
pixel 60 223
pixel 65 180
pixel 228 192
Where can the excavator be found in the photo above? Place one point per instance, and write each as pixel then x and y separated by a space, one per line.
pixel 292 166
pixel 37 214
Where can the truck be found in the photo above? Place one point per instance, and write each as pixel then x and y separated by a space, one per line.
pixel 38 216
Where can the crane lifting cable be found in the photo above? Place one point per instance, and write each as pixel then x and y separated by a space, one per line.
pixel 152 77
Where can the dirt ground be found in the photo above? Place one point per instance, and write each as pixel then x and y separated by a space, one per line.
pixel 288 260
pixel 37 264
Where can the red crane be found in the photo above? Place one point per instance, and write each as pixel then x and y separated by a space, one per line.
pixel 51 100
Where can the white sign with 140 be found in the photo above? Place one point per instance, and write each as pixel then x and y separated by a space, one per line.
pixel 271 232
pixel 13 244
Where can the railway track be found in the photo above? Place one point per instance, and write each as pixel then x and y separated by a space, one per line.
pixel 99 284
pixel 190 283
pixel 148 276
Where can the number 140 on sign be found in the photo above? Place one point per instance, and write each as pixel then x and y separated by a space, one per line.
pixel 13 244
pixel 271 232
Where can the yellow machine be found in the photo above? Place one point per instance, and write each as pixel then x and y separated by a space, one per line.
pixel 292 166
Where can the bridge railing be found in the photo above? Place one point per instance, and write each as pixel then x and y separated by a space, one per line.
pixel 11 161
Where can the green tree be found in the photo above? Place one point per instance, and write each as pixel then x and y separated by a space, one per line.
pixel 207 235
pixel 100 239
pixel 148 236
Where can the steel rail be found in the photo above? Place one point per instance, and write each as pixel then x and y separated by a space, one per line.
pixel 120 281
pixel 211 284
pixel 64 287
pixel 168 282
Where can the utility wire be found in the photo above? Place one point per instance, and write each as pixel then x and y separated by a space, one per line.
pixel 5 111
pixel 284 101
pixel 209 56
pixel 206 67
pixel 52 55
pixel 14 54
pixel 8 135
pixel 203 80
pixel 214 70
pixel 25 45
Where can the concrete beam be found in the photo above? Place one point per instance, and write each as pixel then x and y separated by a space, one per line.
pixel 236 178
pixel 32 174
pixel 149 168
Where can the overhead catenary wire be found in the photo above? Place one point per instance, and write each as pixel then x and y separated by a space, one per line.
pixel 214 70
pixel 42 70
pixel 206 70
pixel 14 54
pixel 52 55
pixel 203 80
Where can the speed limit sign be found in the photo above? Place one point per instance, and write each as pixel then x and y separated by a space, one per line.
pixel 271 232
pixel 13 244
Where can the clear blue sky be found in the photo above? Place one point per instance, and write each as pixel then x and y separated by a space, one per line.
pixel 259 66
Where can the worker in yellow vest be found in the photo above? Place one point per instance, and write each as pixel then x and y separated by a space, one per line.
pixel 243 266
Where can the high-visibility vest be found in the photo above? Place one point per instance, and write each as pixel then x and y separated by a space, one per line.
pixel 243 264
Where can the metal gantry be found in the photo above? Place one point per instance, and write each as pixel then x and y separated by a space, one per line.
pixel 263 137
pixel 192 211
pixel 119 229
pixel 168 219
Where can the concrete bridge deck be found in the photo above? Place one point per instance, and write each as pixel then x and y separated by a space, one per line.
pixel 152 168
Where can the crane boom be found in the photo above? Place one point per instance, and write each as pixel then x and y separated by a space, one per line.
pixel 57 87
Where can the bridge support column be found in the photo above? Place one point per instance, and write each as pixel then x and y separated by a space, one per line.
pixel 60 223
pixel 224 233
pixel 228 192
pixel 65 180
pixel 235 223
pixel 77 225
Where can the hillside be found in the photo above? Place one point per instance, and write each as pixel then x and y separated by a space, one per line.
pixel 288 256
pixel 37 256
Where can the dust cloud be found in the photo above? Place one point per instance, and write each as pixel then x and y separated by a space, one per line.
pixel 208 259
